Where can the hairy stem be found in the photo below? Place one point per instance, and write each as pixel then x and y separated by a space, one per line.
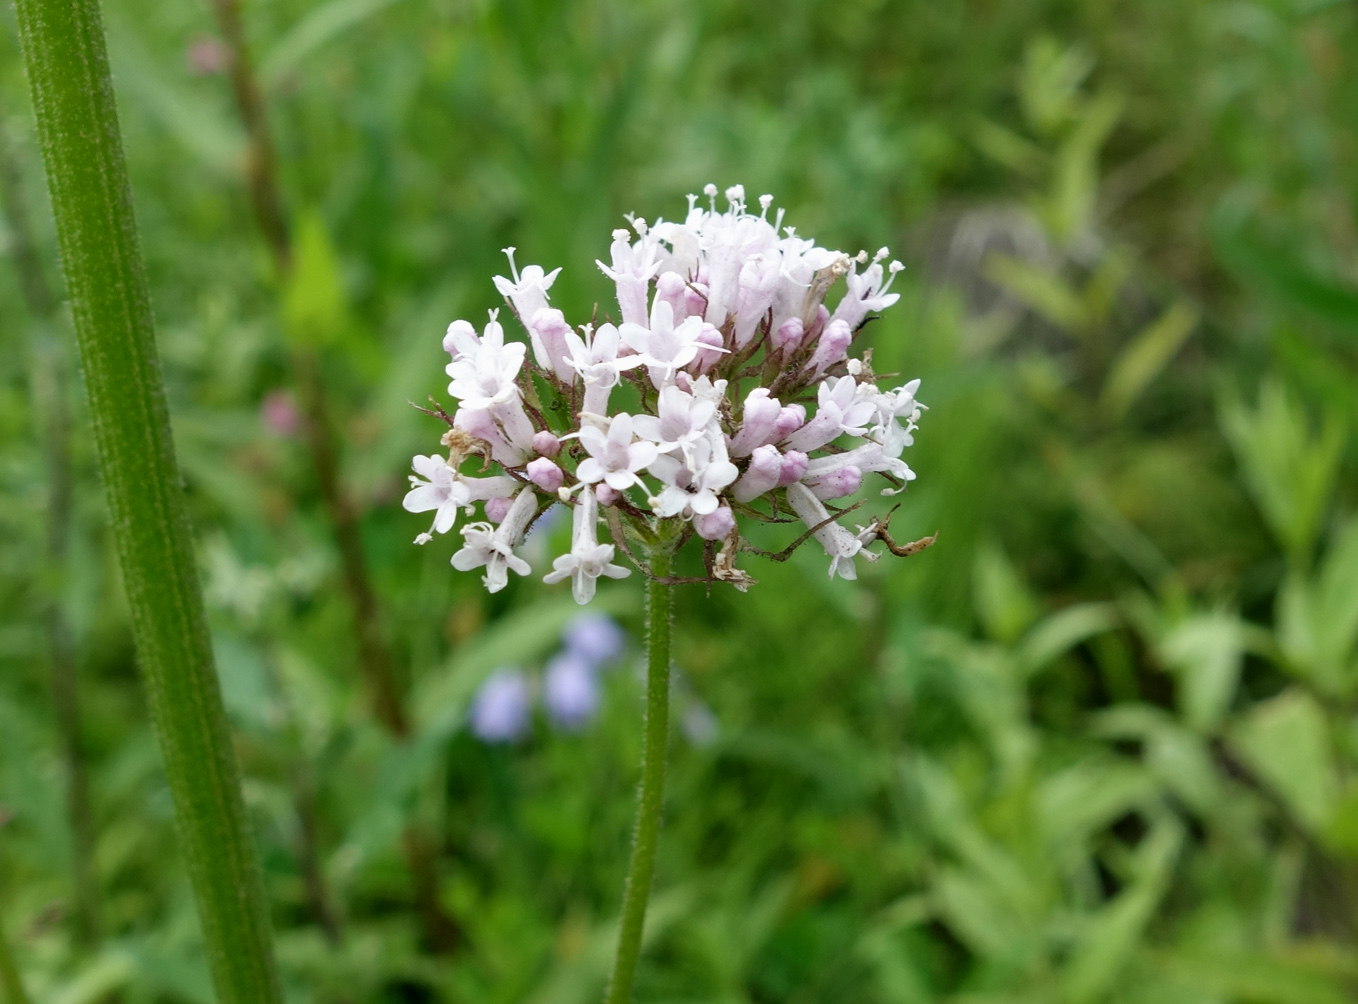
pixel 652 796
pixel 52 412
pixel 68 74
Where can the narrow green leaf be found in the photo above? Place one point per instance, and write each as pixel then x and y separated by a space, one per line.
pixel 1145 356
pixel 1283 279
pixel 314 305
pixel 1045 293
pixel 1285 741
pixel 322 23
pixel 68 73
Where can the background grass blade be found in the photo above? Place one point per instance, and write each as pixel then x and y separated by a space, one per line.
pixel 106 279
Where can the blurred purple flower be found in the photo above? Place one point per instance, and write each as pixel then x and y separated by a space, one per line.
pixel 595 638
pixel 206 56
pixel 500 711
pixel 570 690
pixel 278 411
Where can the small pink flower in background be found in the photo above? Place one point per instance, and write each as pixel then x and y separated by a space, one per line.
pixel 278 411
pixel 206 56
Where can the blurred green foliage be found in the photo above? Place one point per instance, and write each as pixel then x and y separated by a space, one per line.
pixel 1098 744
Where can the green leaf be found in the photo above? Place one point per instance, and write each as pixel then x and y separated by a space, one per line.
pixel 1115 932
pixel 322 22
pixel 1146 356
pixel 315 309
pixel 1285 741
pixel 1045 293
pixel 1062 631
pixel 1289 469
pixel 1079 801
pixel 1006 605
pixel 1317 619
pixel 1205 651
pixel 1278 275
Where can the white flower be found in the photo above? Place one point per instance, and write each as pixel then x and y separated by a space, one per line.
pixel 839 543
pixel 692 484
pixel 588 559
pixel 632 274
pixel 595 358
pixel 446 491
pixel 528 293
pixel 682 419
pixel 665 347
pixel 484 370
pixel 891 407
pixel 440 491
pixel 493 546
pixel 866 292
pixel 614 458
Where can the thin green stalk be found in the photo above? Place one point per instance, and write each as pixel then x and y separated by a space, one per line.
pixel 53 414
pixel 652 797
pixel 64 50
pixel 9 975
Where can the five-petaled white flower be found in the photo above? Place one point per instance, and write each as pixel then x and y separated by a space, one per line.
pixel 692 484
pixel 665 347
pixel 614 457
pixel 493 546
pixel 682 419
pixel 484 370
pixel 587 559
pixel 595 357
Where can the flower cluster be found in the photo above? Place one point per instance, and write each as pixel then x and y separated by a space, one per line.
pixel 569 686
pixel 723 390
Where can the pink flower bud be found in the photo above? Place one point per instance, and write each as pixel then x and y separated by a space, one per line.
pixel 788 337
pixel 545 444
pixel 766 464
pixel 716 525
pixel 794 467
pixel 706 358
pixel 279 413
pixel 458 334
pixel 545 474
pixel 758 421
pixel 837 483
pixel 694 299
pixel 207 56
pixel 671 288
pixel 790 419
pixel 607 494
pixel 548 330
pixel 497 508
pixel 832 347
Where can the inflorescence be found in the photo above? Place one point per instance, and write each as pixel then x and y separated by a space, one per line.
pixel 742 402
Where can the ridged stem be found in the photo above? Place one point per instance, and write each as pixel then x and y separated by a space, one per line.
pixel 651 799
pixel 68 73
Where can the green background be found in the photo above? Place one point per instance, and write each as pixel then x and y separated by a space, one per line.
pixel 1097 744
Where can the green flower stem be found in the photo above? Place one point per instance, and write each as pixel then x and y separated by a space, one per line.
pixel 10 983
pixel 64 49
pixel 652 798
